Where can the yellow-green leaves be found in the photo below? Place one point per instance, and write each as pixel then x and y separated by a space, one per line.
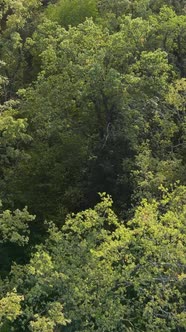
pixel 14 227
pixel 12 129
pixel 41 264
pixel 154 71
pixel 48 323
pixel 10 307
pixel 101 273
pixel 18 11
pixel 177 95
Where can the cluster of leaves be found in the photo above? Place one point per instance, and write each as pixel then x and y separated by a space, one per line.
pixel 109 276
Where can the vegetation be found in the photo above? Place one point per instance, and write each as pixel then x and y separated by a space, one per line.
pixel 92 165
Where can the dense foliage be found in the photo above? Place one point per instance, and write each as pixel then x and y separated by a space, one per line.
pixel 93 100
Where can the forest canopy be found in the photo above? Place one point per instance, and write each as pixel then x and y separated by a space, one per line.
pixel 93 165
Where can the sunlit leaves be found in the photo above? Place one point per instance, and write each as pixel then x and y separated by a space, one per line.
pixel 100 268
pixel 14 227
pixel 10 307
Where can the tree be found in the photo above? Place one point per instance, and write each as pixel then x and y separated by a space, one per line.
pixel 18 20
pixel 169 31
pixel 76 124
pixel 110 275
pixel 14 237
pixel 92 105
